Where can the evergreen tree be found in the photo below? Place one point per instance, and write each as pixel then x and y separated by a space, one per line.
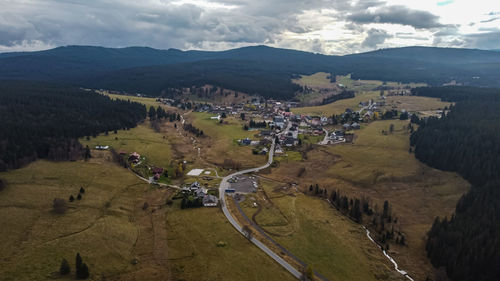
pixel 82 272
pixel 78 261
pixel 64 268
pixel 152 113
pixel 86 154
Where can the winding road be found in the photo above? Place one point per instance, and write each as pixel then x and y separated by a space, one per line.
pixel 222 190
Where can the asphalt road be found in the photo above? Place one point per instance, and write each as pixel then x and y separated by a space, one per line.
pixel 222 189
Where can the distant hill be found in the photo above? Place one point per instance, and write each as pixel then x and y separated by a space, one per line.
pixel 258 69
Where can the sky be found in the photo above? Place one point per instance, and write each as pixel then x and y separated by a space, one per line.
pixel 335 27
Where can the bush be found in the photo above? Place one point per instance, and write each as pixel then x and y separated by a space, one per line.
pixel 82 272
pixel 59 205
pixel 64 269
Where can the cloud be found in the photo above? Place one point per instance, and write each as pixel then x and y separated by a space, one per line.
pixel 396 15
pixel 327 26
pixel 486 40
pixel 374 38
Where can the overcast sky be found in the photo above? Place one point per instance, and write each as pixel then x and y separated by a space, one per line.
pixel 329 27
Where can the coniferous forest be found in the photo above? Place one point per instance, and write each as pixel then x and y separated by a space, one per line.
pixel 465 140
pixel 40 120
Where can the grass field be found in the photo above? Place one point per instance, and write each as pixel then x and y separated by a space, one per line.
pixel 318 235
pixel 148 102
pixel 380 166
pixel 337 107
pixel 319 80
pixel 142 139
pixel 194 254
pixel 220 141
pixel 368 85
pixel 34 239
pixel 414 103
pixel 319 86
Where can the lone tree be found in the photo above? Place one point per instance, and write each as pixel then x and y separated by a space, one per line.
pixel 247 232
pixel 86 153
pixel 78 261
pixel 82 270
pixel 64 269
pixel 59 205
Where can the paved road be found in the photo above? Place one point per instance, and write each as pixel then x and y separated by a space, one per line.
pixel 222 190
pixel 325 139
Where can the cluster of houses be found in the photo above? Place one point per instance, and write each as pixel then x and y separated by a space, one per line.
pixel 200 192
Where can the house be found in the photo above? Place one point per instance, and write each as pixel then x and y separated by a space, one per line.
pixel 193 187
pixel 338 133
pixel 210 201
pixel 102 147
pixel 346 126
pixel 157 170
pixel 246 141
pixel 134 157
pixel 355 126
pixel 265 133
pixel 215 117
pixel 278 149
pixel 290 142
pixel 200 193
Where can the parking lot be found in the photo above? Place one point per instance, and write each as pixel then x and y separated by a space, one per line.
pixel 244 184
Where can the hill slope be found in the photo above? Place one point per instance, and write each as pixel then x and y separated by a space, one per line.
pixel 258 69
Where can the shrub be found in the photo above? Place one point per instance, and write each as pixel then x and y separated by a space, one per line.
pixel 59 205
pixel 82 272
pixel 64 269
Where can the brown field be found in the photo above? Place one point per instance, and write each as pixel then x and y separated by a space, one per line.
pixel 102 226
pixel 337 107
pixel 220 141
pixel 316 233
pixel 414 103
pixel 380 167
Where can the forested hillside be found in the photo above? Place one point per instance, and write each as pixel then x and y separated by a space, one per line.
pixel 259 69
pixel 466 140
pixel 40 120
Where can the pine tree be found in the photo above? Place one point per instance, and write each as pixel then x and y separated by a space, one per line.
pixel 78 262
pixel 65 268
pixel 79 197
pixel 86 154
pixel 71 198
pixel 83 272
pixel 82 190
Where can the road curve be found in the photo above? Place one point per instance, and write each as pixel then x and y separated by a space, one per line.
pixel 222 190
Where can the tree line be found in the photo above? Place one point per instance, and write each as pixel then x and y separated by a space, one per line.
pixel 41 120
pixel 466 140
pixel 381 221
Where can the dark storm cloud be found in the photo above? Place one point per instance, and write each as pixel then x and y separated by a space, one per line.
pixel 486 40
pixel 396 15
pixel 207 24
